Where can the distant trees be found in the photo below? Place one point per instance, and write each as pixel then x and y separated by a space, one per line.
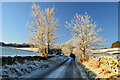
pixel 85 36
pixel 116 44
pixel 14 44
pixel 43 29
pixel 76 51
pixel 2 44
pixel 66 48
pixel 56 46
pixel 56 49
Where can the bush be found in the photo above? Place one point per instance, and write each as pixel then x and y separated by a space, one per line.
pixel 55 51
pixel 116 44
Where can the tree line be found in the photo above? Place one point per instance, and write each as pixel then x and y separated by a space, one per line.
pixel 14 44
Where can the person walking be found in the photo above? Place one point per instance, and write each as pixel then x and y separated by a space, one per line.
pixel 72 56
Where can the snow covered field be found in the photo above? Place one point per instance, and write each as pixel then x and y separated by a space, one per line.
pixel 28 49
pixel 9 51
pixel 109 50
pixel 22 70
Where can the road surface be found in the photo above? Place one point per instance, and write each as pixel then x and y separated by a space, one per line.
pixel 67 70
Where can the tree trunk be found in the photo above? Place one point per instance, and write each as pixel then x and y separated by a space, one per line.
pixel 48 39
pixel 47 50
pixel 83 52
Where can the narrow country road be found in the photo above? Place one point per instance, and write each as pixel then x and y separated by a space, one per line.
pixel 67 70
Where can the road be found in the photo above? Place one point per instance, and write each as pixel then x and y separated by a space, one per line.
pixel 67 70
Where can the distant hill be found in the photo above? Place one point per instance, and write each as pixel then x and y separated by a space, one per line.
pixel 14 44
pixel 116 44
pixel 2 43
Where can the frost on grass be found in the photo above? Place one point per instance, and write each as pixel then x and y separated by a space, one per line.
pixel 24 69
pixel 102 67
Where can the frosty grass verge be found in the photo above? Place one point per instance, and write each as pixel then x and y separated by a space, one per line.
pixel 20 70
pixel 102 67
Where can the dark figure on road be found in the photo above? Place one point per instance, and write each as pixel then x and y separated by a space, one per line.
pixel 72 56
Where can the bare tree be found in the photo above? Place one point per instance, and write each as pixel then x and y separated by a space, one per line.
pixel 51 28
pixel 85 36
pixel 43 28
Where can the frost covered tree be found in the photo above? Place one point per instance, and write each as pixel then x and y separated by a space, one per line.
pixel 66 48
pixel 85 34
pixel 56 46
pixel 43 29
pixel 52 25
